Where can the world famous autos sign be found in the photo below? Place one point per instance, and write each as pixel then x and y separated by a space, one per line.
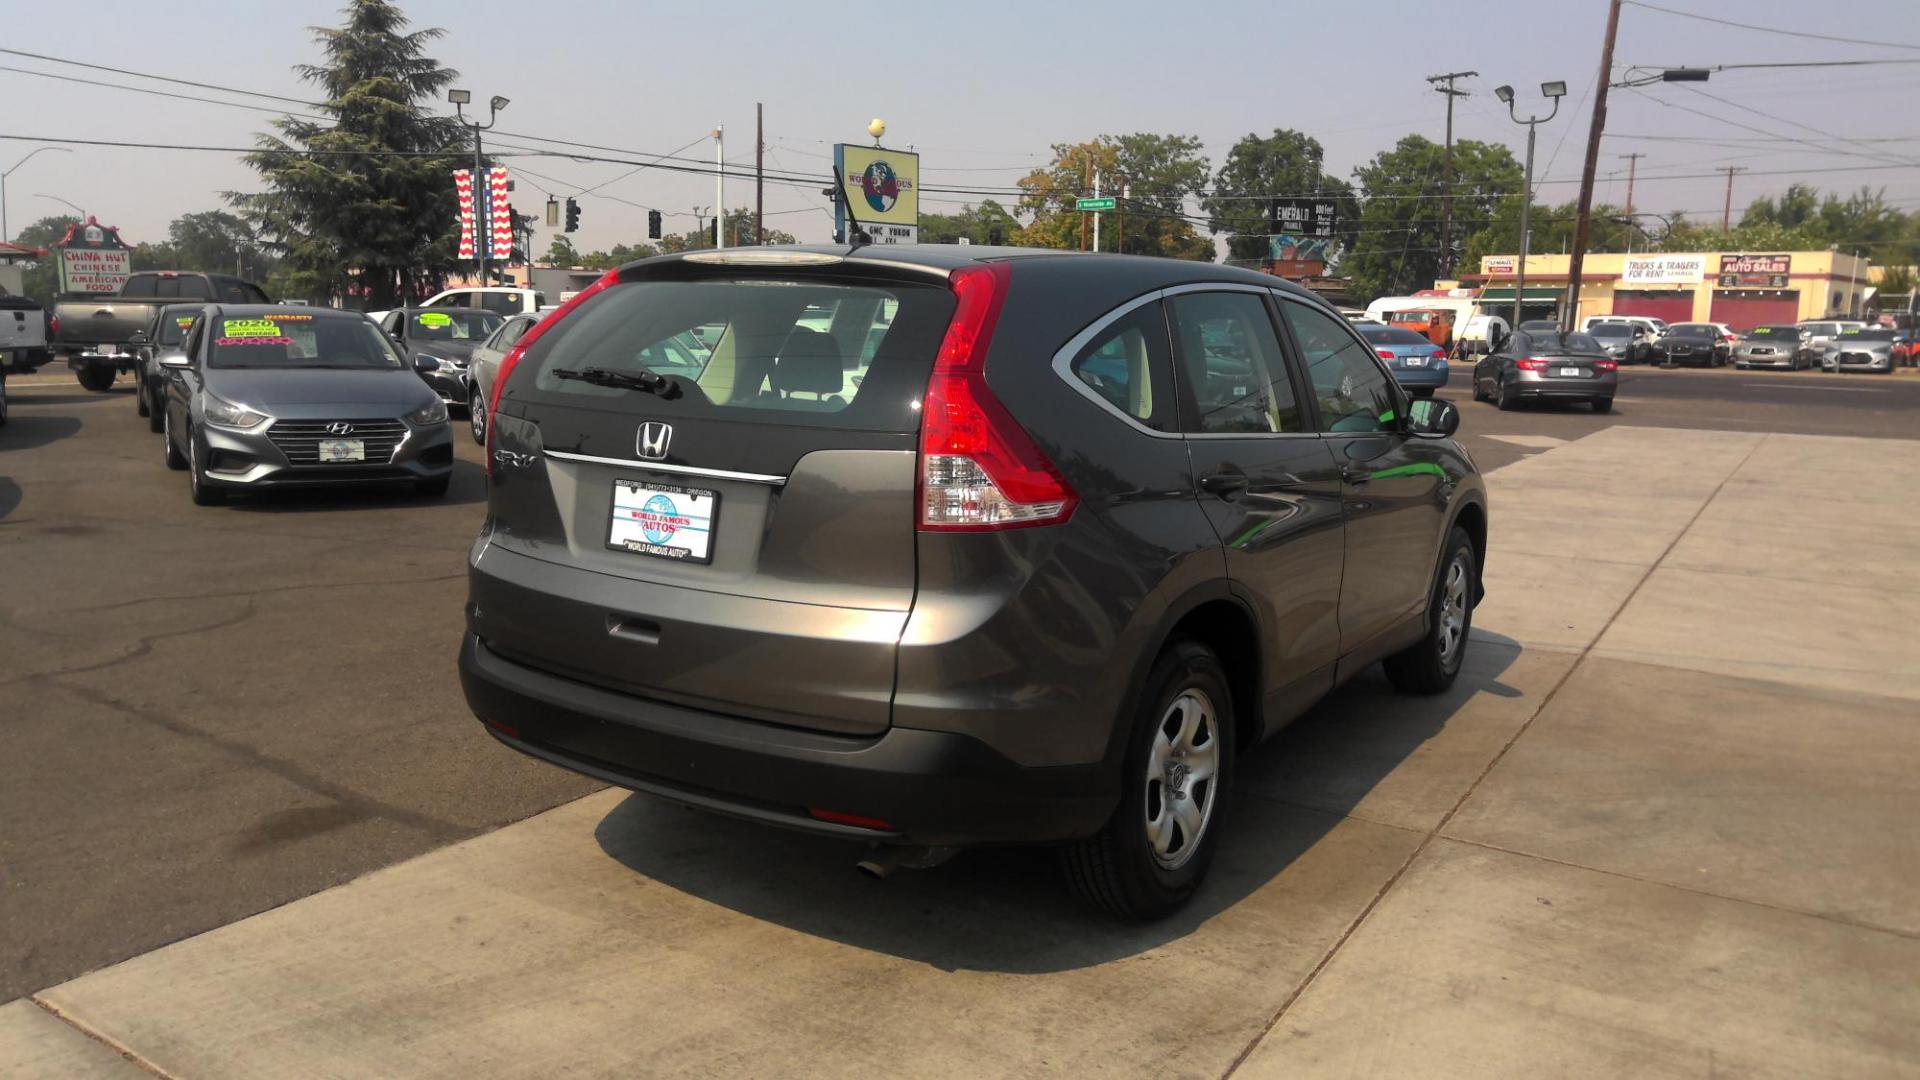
pixel 93 258
pixel 883 189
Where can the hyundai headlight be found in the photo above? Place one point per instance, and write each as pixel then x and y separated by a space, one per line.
pixel 428 415
pixel 227 414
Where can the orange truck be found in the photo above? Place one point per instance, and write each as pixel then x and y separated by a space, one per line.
pixel 1435 324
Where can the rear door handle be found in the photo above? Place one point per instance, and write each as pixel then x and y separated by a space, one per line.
pixel 1355 476
pixel 1224 484
pixel 638 631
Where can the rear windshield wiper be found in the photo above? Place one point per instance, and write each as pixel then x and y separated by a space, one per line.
pixel 648 381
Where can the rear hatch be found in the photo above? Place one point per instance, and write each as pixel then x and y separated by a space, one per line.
pixel 742 542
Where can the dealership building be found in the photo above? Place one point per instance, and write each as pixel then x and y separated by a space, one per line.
pixel 1742 289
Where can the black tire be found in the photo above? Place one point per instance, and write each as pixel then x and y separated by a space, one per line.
pixel 140 399
pixel 1431 664
pixel 1478 394
pixel 3 401
pixel 477 424
pixel 432 488
pixel 175 459
pixel 1504 399
pixel 1602 406
pixel 96 379
pixel 203 494
pixel 156 412
pixel 1117 869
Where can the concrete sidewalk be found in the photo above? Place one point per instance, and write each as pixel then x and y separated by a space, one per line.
pixel 1663 826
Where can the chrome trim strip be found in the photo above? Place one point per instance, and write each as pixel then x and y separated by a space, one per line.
pixel 682 470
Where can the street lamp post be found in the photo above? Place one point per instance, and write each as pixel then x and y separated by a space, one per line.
pixel 483 193
pixel 1553 91
pixel 4 234
pixel 76 209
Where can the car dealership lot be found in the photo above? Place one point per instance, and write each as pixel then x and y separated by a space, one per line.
pixel 1661 826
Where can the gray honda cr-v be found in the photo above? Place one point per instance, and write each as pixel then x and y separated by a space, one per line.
pixel 945 546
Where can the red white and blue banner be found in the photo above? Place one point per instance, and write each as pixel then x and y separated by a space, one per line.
pixel 463 189
pixel 501 214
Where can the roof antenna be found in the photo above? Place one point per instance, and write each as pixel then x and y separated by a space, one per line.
pixel 856 236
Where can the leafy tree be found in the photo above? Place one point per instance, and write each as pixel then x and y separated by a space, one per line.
pixel 979 224
pixel 1286 163
pixel 1553 228
pixel 363 204
pixel 561 252
pixel 1797 206
pixel 1396 242
pixel 41 280
pixel 1158 174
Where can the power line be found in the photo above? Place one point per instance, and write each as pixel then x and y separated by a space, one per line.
pixel 1771 29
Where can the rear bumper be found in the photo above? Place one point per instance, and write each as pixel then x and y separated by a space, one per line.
pixel 1531 385
pixel 1421 378
pixel 931 787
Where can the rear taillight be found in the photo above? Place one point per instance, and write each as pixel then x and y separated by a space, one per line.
pixel 978 469
pixel 1531 363
pixel 509 361
pixel 53 324
pixel 1383 354
pixel 1605 365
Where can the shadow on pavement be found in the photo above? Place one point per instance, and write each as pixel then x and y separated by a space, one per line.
pixel 9 497
pixel 1009 909
pixel 469 487
pixel 27 428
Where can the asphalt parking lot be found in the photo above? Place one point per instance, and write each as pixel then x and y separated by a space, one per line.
pixel 1663 826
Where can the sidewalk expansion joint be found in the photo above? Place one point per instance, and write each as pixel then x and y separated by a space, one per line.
pixel 125 1052
pixel 1427 840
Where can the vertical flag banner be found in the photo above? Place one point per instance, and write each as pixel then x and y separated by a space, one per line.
pixel 500 213
pixel 463 188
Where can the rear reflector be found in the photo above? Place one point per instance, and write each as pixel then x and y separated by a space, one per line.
pixel 859 821
pixel 978 469
pixel 512 359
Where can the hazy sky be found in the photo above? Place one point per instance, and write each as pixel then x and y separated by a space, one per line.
pixel 980 89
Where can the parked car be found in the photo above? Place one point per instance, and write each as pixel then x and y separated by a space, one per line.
pixel 1693 345
pixel 1417 364
pixel 266 397
pixel 448 338
pixel 23 334
pixel 1550 366
pixel 1862 349
pixel 1903 347
pixel 1822 332
pixel 1625 342
pixel 1653 327
pixel 1544 326
pixel 1002 578
pixel 485 362
pixel 1434 324
pixel 165 335
pixel 95 332
pixel 1776 346
pixel 499 299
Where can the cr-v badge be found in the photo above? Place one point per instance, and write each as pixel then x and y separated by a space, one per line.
pixel 651 441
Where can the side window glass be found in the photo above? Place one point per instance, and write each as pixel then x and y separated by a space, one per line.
pixel 1354 391
pixel 1128 365
pixel 500 303
pixel 195 289
pixel 456 300
pixel 1230 356
pixel 166 289
pixel 137 288
pixel 510 333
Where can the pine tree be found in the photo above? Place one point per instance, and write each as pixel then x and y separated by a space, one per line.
pixel 364 205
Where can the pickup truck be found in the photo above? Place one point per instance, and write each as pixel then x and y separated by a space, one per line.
pixel 23 334
pixel 94 332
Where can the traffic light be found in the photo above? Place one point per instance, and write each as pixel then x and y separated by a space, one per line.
pixel 573 216
pixel 653 224
pixel 553 212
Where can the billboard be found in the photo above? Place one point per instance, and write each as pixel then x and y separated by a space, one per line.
pixel 883 188
pixel 1663 270
pixel 1755 271
pixel 93 259
pixel 1299 232
pixel 1499 265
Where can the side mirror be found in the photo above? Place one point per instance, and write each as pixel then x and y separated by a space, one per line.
pixel 1433 418
pixel 139 338
pixel 425 364
pixel 176 360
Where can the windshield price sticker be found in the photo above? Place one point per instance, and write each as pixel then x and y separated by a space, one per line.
pixel 250 340
pixel 434 318
pixel 250 328
pixel 183 321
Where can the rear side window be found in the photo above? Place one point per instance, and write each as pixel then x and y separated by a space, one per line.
pixel 1128 366
pixel 815 351
pixel 501 303
pixel 1230 356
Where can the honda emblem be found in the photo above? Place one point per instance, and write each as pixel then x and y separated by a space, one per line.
pixel 652 440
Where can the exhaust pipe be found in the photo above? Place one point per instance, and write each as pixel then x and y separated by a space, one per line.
pixel 883 859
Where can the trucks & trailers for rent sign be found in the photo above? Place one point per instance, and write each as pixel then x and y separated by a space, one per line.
pixel 1663 270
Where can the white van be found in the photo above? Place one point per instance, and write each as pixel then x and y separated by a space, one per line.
pixel 500 299
pixel 1653 327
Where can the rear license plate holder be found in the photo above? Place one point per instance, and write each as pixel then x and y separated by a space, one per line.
pixel 665 521
pixel 1570 373
pixel 339 451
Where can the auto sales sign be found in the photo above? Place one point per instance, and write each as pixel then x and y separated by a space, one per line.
pixel 1755 271
pixel 93 259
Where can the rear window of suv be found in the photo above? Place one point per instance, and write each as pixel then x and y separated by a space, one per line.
pixel 819 352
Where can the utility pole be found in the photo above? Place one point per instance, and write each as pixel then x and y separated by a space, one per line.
pixel 1120 217
pixel 1726 215
pixel 1086 171
pixel 1096 213
pixel 719 185
pixel 759 172
pixel 1632 160
pixel 1446 170
pixel 1570 317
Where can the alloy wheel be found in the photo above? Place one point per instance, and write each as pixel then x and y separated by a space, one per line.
pixel 1181 769
pixel 1452 624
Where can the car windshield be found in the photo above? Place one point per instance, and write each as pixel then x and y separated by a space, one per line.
pixel 1549 343
pixel 300 341
pixel 1388 335
pixel 452 325
pixel 1774 332
pixel 173 327
pixel 1702 332
pixel 1611 330
pixel 1866 335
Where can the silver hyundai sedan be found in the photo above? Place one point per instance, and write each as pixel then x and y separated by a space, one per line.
pixel 266 396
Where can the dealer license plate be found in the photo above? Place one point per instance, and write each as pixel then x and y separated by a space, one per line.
pixel 1414 361
pixel 663 520
pixel 1573 372
pixel 335 451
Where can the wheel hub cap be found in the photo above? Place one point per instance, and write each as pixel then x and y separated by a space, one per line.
pixel 1181 768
